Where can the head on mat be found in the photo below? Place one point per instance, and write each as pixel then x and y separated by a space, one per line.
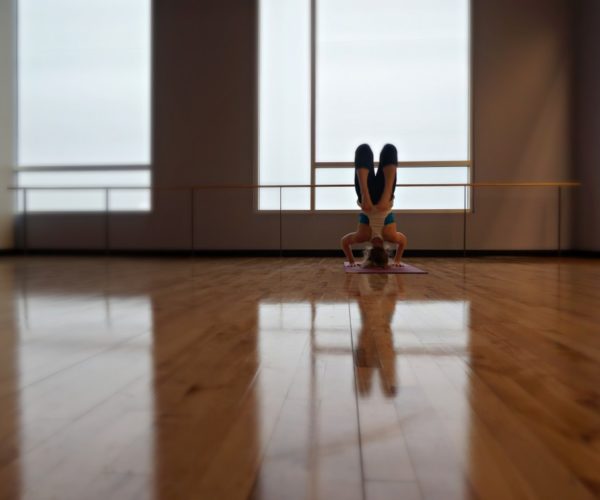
pixel 377 255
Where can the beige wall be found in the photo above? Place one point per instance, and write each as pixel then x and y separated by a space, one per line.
pixel 6 120
pixel 204 130
pixel 522 119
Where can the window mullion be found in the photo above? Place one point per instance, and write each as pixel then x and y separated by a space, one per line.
pixel 313 97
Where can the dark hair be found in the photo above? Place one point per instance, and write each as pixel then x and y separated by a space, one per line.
pixel 377 257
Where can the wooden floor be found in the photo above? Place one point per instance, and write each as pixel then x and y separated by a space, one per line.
pixel 287 379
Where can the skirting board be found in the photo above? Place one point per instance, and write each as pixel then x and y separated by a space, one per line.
pixel 298 253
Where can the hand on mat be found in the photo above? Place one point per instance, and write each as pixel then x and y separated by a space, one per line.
pixel 397 264
pixel 352 264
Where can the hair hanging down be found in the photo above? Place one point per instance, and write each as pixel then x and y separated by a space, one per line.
pixel 377 257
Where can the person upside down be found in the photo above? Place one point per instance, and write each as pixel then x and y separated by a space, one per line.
pixel 376 222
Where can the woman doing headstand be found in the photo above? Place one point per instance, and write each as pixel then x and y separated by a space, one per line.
pixel 376 222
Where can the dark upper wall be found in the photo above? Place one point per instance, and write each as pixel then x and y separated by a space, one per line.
pixel 204 89
pixel 204 132
pixel 587 125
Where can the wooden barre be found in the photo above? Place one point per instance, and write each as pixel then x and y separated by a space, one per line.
pixel 290 186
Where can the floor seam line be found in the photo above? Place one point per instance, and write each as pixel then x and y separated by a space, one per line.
pixel 360 446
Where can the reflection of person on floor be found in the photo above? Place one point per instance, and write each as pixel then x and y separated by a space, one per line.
pixel 376 297
pixel 376 222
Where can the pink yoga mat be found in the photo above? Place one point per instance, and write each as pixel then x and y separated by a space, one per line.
pixel 405 269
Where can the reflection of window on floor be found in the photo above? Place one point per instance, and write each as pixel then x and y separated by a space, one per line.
pixel 324 381
pixel 55 316
pixel 323 334
pixel 413 324
pixel 421 323
pixel 76 354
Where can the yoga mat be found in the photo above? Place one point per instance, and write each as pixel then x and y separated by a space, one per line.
pixel 405 269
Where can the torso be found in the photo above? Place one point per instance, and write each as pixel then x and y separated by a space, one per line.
pixel 376 222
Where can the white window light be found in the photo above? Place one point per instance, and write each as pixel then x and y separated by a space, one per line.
pixel 84 80
pixel 383 71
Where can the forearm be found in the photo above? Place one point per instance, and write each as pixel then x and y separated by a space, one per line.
pixel 398 256
pixel 401 242
pixel 348 254
pixel 347 247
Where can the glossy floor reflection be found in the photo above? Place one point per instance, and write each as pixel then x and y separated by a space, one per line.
pixel 271 379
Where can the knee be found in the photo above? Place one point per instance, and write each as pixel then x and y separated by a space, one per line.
pixel 388 156
pixel 363 156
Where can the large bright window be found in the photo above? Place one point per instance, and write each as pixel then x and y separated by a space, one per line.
pixel 84 102
pixel 338 73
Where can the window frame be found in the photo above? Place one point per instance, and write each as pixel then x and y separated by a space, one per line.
pixel 314 165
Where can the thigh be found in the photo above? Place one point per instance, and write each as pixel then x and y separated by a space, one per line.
pixel 363 158
pixel 387 158
pixel 370 180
